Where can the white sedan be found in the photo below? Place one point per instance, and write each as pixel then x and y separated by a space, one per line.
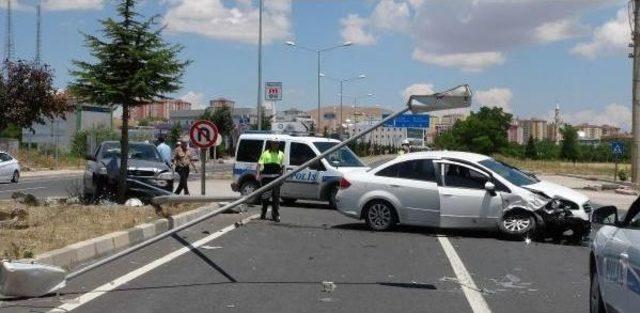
pixel 9 168
pixel 449 189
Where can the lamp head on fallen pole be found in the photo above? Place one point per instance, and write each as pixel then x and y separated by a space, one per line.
pixel 456 98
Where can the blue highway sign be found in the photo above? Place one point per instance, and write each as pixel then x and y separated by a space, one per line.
pixel 408 121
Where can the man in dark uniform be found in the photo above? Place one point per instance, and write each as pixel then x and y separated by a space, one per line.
pixel 271 167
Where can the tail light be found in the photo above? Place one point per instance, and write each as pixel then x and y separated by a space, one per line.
pixel 344 184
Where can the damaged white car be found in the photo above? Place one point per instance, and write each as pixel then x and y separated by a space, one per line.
pixel 448 189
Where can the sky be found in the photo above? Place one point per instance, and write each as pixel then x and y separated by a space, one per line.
pixel 525 56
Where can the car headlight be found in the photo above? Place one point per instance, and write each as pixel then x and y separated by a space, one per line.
pixel 102 170
pixel 168 176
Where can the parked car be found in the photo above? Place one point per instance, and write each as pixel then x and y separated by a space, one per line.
pixel 449 189
pixel 318 182
pixel 9 168
pixel 615 260
pixel 148 174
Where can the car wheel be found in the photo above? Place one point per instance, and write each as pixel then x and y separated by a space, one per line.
pixel 249 187
pixel 380 216
pixel 15 177
pixel 518 225
pixel 596 304
pixel 288 201
pixel 333 191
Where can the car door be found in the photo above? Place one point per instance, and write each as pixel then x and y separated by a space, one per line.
pixel 413 183
pixel 4 167
pixel 464 202
pixel 630 259
pixel 613 269
pixel 306 183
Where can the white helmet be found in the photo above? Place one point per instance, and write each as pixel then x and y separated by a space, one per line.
pixel 406 142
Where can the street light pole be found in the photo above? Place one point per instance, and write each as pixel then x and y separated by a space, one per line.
pixel 259 104
pixel 318 52
pixel 318 127
pixel 342 81
pixel 341 120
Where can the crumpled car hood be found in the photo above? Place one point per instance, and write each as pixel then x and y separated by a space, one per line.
pixel 554 190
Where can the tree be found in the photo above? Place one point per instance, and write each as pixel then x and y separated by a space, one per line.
pixel 222 118
pixel 483 132
pixel 530 150
pixel 134 66
pixel 569 148
pixel 28 96
pixel 174 134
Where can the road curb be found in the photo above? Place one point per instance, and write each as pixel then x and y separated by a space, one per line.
pixel 77 253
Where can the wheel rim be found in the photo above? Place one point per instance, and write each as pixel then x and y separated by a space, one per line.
pixel 248 188
pixel 380 215
pixel 516 223
pixel 15 177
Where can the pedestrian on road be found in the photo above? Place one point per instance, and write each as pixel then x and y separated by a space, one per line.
pixel 271 167
pixel 182 160
pixel 164 149
pixel 406 147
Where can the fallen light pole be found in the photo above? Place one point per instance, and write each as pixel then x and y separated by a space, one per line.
pixel 46 275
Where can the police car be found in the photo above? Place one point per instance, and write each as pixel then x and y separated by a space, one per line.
pixel 615 260
pixel 318 182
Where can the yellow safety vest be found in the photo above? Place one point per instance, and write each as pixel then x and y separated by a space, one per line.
pixel 271 163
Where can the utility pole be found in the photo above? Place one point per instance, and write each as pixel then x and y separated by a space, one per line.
pixel 635 149
pixel 38 31
pixel 259 104
pixel 9 34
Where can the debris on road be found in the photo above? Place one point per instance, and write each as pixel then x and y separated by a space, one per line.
pixel 133 202
pixel 328 286
pixel 211 247
pixel 626 191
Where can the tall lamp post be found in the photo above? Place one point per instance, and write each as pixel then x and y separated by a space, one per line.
pixel 318 52
pixel 342 81
pixel 259 104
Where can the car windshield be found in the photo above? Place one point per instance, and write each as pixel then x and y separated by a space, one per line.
pixel 138 151
pixel 508 172
pixel 343 157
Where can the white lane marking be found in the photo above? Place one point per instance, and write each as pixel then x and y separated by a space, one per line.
pixel 23 189
pixel 92 295
pixel 474 297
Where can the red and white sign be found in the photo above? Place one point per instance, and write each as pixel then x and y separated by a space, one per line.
pixel 273 91
pixel 204 134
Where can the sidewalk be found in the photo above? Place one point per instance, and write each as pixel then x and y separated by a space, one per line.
pixel 604 197
pixel 25 174
pixel 213 187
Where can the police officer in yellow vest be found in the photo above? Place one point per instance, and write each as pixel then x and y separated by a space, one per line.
pixel 271 167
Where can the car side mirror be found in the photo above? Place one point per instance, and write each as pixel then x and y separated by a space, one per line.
pixel 90 157
pixel 606 215
pixel 489 186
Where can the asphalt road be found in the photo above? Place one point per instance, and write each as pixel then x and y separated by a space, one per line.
pixel 269 267
pixel 68 184
pixel 43 186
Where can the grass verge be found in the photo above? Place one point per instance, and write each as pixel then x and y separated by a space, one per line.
pixel 51 227
pixel 602 170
